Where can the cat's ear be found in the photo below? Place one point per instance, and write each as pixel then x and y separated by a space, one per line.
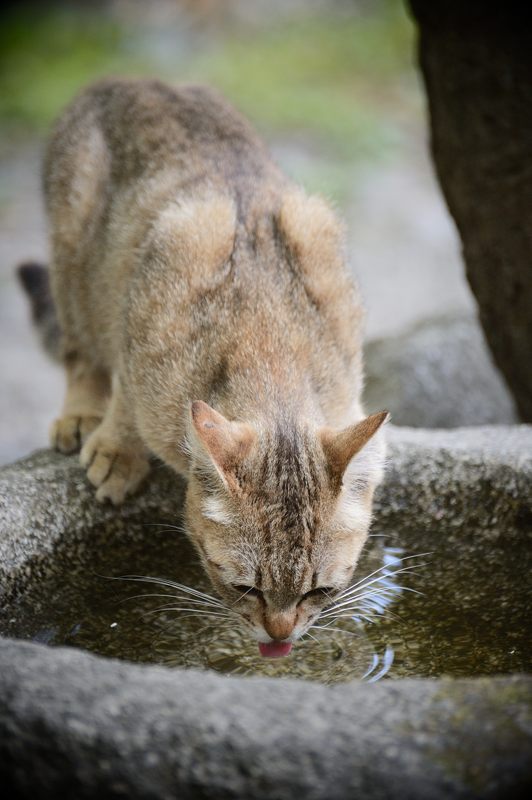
pixel 341 447
pixel 226 443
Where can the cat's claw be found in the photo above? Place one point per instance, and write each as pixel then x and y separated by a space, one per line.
pixel 115 473
pixel 68 433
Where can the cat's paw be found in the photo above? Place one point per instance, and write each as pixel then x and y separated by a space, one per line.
pixel 114 472
pixel 69 433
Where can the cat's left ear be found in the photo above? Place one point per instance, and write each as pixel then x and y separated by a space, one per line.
pixel 341 447
pixel 226 443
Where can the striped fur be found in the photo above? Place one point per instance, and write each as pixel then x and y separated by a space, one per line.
pixel 208 318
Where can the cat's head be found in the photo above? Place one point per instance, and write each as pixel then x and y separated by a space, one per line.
pixel 279 514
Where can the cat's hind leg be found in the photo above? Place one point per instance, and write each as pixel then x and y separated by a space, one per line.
pixel 115 457
pixel 87 395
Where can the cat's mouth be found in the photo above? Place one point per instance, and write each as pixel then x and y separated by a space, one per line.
pixel 274 649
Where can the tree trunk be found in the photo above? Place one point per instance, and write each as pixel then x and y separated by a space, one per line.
pixel 476 60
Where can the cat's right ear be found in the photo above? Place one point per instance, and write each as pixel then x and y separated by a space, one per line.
pixel 226 443
pixel 342 446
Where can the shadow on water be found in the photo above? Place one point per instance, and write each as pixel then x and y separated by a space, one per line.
pixel 409 616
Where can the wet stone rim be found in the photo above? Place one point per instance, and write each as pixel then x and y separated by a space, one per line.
pixel 73 724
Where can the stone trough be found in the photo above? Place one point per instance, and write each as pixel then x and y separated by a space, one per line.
pixel 76 725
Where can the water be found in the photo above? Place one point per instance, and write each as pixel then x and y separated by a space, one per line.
pixel 445 615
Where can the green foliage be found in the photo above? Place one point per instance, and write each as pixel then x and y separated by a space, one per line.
pixel 339 79
pixel 332 77
pixel 46 55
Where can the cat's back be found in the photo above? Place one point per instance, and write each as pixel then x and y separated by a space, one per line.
pixel 142 127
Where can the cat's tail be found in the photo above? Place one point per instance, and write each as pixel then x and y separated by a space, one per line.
pixel 35 280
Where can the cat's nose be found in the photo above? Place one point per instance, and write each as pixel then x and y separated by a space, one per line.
pixel 279 625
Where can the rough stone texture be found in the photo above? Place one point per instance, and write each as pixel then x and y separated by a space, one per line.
pixel 438 374
pixel 46 502
pixel 476 63
pixel 76 726
pixel 89 727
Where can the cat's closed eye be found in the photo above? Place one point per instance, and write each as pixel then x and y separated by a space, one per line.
pixel 320 592
pixel 249 591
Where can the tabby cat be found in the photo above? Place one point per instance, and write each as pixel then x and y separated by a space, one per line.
pixel 207 318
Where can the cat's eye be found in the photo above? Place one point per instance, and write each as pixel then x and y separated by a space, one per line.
pixel 321 591
pixel 249 591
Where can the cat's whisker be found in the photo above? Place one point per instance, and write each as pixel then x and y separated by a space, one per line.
pixel 165 582
pixel 351 610
pixel 369 601
pixel 369 613
pixel 219 622
pixel 386 595
pixel 390 568
pixel 189 612
pixel 172 530
pixel 363 584
pixel 331 627
pixel 194 612
pixel 360 611
pixel 167 525
pixel 196 601
pixel 346 616
pixel 355 610
pixel 381 586
pixel 371 588
pixel 371 620
pixel 242 596
pixel 156 524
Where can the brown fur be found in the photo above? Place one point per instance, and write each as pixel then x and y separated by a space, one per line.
pixel 186 267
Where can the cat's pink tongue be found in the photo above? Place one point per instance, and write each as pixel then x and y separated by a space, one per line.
pixel 274 649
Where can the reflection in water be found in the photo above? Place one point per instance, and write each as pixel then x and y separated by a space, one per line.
pixel 369 598
pixel 387 660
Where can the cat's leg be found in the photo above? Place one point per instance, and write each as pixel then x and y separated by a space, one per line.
pixel 116 459
pixel 86 399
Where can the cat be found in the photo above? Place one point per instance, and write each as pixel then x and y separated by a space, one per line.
pixel 207 317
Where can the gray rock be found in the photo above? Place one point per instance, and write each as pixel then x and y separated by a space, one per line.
pixel 46 501
pixel 76 726
pixel 467 484
pixel 438 374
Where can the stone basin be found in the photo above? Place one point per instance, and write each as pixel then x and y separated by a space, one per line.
pixel 75 724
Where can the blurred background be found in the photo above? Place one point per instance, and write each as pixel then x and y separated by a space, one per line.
pixel 332 86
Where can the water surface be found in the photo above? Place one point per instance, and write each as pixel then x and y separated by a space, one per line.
pixel 450 615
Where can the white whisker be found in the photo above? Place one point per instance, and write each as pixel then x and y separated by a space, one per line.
pixel 388 567
pixel 165 582
pixel 194 611
pixel 196 601
pixel 330 626
pixel 363 584
pixel 167 525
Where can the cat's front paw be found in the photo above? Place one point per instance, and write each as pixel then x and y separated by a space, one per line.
pixel 68 433
pixel 114 472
